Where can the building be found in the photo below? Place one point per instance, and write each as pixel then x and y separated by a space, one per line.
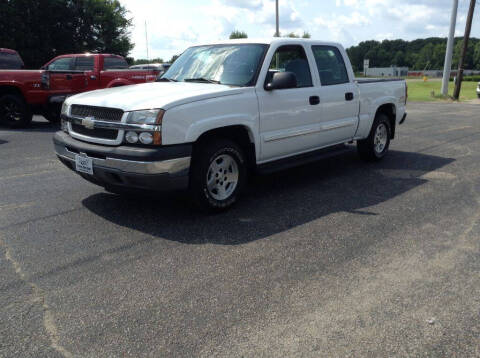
pixel 387 71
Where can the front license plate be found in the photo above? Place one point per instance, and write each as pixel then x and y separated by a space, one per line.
pixel 83 164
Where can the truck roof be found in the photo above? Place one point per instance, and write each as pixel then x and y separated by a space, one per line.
pixel 89 54
pixel 7 50
pixel 273 41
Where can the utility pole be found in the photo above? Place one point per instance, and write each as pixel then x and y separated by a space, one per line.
pixel 146 39
pixel 277 33
pixel 448 55
pixel 468 28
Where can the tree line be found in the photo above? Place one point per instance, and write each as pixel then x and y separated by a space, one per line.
pixel 42 29
pixel 418 54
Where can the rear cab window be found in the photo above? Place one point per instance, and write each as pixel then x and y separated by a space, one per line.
pixel 10 61
pixel 114 63
pixel 330 64
pixel 291 58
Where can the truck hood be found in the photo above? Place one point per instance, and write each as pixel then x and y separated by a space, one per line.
pixel 163 95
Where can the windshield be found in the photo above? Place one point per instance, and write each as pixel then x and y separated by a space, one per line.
pixel 234 65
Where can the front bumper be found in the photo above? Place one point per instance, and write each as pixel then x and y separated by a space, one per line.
pixel 162 168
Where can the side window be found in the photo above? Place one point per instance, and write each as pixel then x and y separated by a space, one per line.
pixel 10 61
pixel 291 58
pixel 62 64
pixel 114 63
pixel 85 63
pixel 331 66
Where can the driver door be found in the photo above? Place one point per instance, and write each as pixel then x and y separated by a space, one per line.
pixel 289 117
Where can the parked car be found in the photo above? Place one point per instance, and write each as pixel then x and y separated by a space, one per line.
pixel 258 106
pixel 27 92
pixel 10 60
pixel 160 67
pixel 478 90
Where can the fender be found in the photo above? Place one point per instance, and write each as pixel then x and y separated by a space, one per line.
pixel 368 110
pixel 117 82
pixel 15 86
pixel 187 122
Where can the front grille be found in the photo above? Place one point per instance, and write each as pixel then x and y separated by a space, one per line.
pixel 95 133
pixel 100 113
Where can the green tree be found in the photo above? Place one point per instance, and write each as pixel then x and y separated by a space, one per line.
pixel 174 58
pixel 142 61
pixel 42 29
pixel 238 35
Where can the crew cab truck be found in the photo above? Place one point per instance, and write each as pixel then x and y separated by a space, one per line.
pixel 27 92
pixel 226 109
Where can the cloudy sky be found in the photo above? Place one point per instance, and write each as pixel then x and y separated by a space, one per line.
pixel 173 25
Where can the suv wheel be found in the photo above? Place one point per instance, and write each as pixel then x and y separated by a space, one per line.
pixel 375 147
pixel 14 112
pixel 217 175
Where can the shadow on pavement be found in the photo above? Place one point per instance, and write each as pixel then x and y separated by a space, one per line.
pixel 273 203
pixel 40 125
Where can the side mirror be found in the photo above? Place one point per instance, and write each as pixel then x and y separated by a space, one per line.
pixel 282 80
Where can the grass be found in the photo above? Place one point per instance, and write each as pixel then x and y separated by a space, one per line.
pixel 419 91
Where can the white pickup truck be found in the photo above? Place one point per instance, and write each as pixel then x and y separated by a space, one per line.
pixel 224 110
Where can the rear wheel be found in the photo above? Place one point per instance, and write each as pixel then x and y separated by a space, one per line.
pixel 218 175
pixel 14 112
pixel 376 145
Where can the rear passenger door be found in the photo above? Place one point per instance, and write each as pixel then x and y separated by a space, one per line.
pixel 288 117
pixel 338 94
pixel 86 65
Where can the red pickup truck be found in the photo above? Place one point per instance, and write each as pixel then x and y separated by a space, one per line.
pixel 27 92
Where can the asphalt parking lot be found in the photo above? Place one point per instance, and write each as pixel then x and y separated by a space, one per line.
pixel 335 259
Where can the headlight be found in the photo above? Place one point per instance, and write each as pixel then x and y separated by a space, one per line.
pixel 65 108
pixel 149 116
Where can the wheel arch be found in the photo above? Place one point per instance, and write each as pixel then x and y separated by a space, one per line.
pixel 240 134
pixel 12 90
pixel 118 83
pixel 390 110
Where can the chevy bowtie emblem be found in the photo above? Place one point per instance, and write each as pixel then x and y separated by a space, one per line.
pixel 88 122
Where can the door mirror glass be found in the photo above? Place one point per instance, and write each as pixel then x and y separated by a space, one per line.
pixel 282 80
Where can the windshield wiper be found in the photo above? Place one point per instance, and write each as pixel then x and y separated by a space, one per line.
pixel 166 79
pixel 201 79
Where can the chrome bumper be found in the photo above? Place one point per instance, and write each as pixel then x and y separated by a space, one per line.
pixel 170 166
pixel 157 169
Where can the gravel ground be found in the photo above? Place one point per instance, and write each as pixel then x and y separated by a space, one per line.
pixel 334 259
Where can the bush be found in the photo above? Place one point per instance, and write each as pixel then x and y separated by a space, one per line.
pixel 475 78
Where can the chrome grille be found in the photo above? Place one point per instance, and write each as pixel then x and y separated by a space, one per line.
pixel 100 113
pixel 110 134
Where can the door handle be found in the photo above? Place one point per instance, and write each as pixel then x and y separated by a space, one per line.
pixel 314 100
pixel 349 96
pixel 69 77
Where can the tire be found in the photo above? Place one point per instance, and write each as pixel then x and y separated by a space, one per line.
pixel 217 175
pixel 376 145
pixel 14 111
pixel 52 113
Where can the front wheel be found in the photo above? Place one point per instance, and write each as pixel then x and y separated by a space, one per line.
pixel 376 145
pixel 217 175
pixel 14 112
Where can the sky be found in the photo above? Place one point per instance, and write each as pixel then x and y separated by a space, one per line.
pixel 174 25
